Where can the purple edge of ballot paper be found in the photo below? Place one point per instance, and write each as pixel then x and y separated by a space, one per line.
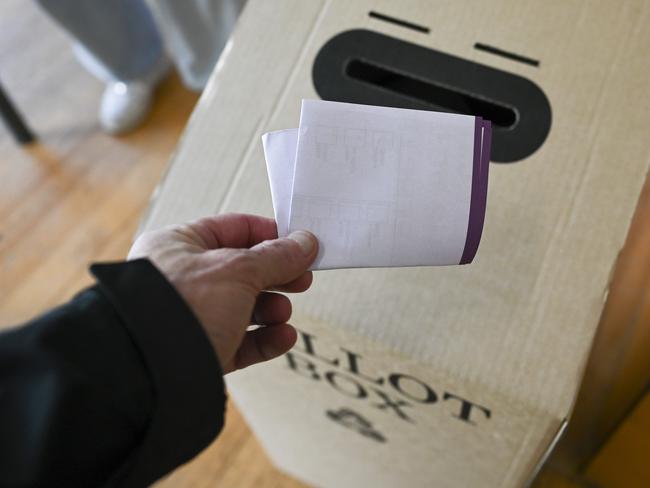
pixel 478 199
pixel 478 191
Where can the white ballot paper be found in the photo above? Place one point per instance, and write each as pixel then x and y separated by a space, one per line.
pixel 381 186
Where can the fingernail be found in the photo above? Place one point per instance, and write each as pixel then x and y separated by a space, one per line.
pixel 304 239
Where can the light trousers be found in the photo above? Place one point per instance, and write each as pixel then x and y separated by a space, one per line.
pixel 127 36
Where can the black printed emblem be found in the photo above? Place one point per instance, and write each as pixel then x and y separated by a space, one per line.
pixel 352 420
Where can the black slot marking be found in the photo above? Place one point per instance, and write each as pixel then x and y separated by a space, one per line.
pixel 400 22
pixel 506 54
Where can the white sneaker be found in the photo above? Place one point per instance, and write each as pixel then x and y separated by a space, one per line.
pixel 125 104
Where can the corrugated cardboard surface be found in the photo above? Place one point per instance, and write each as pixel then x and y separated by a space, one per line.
pixel 512 330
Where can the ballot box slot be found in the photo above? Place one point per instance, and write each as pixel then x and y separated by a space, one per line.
pixel 440 97
pixel 368 67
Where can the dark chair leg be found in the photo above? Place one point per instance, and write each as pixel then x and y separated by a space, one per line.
pixel 13 120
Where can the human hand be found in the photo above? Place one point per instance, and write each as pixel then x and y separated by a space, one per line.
pixel 221 266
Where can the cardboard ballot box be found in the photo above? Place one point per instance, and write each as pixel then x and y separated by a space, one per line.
pixel 452 376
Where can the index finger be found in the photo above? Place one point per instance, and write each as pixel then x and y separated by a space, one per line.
pixel 235 230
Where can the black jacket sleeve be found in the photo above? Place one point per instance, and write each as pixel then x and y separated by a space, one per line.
pixel 115 388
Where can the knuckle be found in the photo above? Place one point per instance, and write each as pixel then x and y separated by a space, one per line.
pixel 148 242
pixel 242 262
pixel 238 267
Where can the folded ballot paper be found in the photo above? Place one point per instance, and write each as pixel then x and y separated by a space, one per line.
pixel 381 186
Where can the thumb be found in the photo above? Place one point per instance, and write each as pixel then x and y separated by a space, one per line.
pixel 281 261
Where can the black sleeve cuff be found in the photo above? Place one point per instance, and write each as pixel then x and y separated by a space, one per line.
pixel 189 393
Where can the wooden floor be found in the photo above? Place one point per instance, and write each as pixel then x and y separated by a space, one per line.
pixel 77 197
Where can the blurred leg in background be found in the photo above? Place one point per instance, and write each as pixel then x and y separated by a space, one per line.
pixel 195 32
pixel 117 41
